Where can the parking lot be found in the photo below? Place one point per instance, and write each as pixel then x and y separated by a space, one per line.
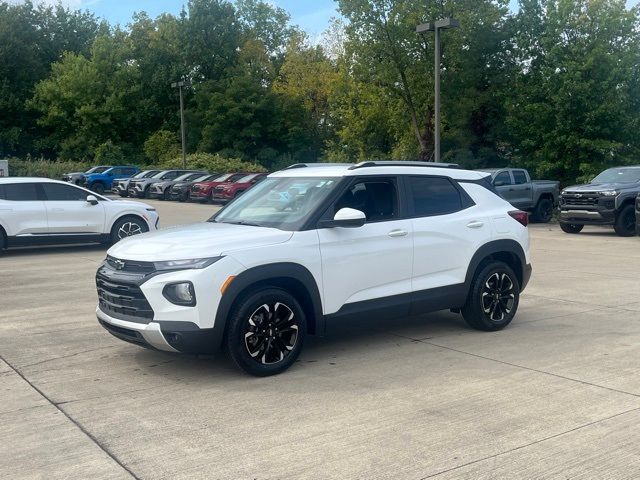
pixel 555 395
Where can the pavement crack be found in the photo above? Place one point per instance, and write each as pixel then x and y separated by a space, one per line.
pixel 66 356
pixel 102 447
pixel 520 447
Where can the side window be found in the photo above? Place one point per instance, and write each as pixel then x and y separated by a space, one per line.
pixel 503 178
pixel 170 175
pixel 430 196
pixel 129 171
pixel 519 177
pixel 21 192
pixel 115 172
pixel 65 193
pixel 376 198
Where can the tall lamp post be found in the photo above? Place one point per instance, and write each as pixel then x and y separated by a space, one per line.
pixel 442 24
pixel 180 85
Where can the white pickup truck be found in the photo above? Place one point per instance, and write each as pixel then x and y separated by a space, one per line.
pixel 539 197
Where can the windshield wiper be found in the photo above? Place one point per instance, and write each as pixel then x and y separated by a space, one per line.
pixel 241 222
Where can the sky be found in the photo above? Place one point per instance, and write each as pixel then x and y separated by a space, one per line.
pixel 311 15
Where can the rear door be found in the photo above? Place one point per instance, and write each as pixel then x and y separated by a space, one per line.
pixel 369 263
pixel 522 193
pixel 447 230
pixel 69 212
pixel 22 210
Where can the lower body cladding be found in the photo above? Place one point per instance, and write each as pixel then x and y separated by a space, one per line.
pixel 587 217
pixel 134 308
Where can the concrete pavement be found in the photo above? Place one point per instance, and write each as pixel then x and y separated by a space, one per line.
pixel 555 395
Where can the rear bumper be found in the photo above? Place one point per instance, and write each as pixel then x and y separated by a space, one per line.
pixel 526 276
pixel 164 336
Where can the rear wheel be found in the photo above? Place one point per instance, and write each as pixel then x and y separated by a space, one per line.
pixel 127 227
pixel 265 332
pixel 3 241
pixel 571 227
pixel 493 299
pixel 543 211
pixel 625 224
pixel 167 194
pixel 98 188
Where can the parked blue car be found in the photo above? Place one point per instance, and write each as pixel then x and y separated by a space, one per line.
pixel 100 182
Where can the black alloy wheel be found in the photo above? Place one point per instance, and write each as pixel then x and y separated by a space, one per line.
pixel 625 224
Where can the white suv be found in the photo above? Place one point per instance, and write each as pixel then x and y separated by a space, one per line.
pixel 314 244
pixel 37 211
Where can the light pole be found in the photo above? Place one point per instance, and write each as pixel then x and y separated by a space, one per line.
pixel 442 24
pixel 179 85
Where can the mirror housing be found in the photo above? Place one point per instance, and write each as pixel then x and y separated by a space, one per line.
pixel 92 199
pixel 345 218
pixel 499 183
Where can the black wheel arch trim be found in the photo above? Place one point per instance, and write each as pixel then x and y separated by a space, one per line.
pixel 290 276
pixel 495 249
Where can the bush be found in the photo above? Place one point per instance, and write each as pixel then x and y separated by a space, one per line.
pixel 161 146
pixel 44 168
pixel 109 154
pixel 213 163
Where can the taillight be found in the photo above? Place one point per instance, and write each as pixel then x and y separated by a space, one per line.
pixel 520 216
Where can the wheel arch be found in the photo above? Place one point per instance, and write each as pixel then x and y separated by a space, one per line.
pixel 507 251
pixel 4 236
pixel 292 277
pixel 122 216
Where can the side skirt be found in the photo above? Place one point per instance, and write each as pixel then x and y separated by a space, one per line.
pixel 29 240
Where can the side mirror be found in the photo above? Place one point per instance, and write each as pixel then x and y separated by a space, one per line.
pixel 499 183
pixel 346 218
pixel 92 199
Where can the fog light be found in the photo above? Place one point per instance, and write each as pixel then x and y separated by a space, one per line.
pixel 181 293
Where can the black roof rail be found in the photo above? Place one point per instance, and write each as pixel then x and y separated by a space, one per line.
pixel 402 163
pixel 318 164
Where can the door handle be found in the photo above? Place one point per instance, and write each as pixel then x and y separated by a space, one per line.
pixel 398 233
pixel 475 224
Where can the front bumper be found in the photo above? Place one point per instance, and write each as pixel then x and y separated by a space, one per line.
pixel 199 195
pixel 587 217
pixel 165 336
pixel 153 193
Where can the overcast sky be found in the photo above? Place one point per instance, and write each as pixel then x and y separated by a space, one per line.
pixel 311 15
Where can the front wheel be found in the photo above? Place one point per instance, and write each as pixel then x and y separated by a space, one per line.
pixel 493 299
pixel 571 227
pixel 98 188
pixel 127 227
pixel 265 332
pixel 625 224
pixel 543 211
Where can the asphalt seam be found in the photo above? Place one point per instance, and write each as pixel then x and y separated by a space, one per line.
pixel 520 447
pixel 72 420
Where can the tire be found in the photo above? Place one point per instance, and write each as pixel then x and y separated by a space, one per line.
pixel 275 349
pixel 3 241
pixel 493 298
pixel 625 224
pixel 571 227
pixel 543 212
pixel 166 195
pixel 145 192
pixel 184 197
pixel 98 188
pixel 127 227
pixel 123 194
pixel 209 197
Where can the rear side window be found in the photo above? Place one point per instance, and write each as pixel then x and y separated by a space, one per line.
pixel 58 192
pixel 519 177
pixel 20 192
pixel 428 196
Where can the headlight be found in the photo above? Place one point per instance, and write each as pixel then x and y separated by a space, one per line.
pixel 181 293
pixel 609 193
pixel 185 264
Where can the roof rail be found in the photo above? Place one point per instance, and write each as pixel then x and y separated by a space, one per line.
pixel 402 163
pixel 318 164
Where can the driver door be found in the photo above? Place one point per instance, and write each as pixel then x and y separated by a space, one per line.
pixel 69 212
pixel 368 267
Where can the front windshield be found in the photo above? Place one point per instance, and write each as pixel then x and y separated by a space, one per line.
pixel 161 173
pixel 203 178
pixel 619 175
pixel 283 203
pixel 248 178
pixel 222 178
pixel 97 169
pixel 145 174
pixel 186 176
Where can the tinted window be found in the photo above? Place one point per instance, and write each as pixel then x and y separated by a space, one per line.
pixel 503 178
pixel 20 192
pixel 432 196
pixel 115 172
pixel 170 175
pixel 519 177
pixel 57 192
pixel 376 198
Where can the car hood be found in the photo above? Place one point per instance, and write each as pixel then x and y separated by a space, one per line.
pixel 74 173
pixel 199 240
pixel 599 187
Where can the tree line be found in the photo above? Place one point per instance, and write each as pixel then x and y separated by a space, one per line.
pixel 553 86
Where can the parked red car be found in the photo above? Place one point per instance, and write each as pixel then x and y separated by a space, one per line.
pixel 203 191
pixel 230 190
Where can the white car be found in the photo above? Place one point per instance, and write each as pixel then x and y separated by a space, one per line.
pixel 376 239
pixel 37 211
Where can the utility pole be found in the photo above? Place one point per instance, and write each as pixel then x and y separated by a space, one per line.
pixel 179 85
pixel 442 24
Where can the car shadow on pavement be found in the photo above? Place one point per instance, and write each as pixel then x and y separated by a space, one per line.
pixel 53 249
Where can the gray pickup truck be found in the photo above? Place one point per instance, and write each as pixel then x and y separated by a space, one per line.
pixel 539 197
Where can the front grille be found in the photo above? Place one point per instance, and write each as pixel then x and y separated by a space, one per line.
pixel 130 265
pixel 121 300
pixel 580 199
